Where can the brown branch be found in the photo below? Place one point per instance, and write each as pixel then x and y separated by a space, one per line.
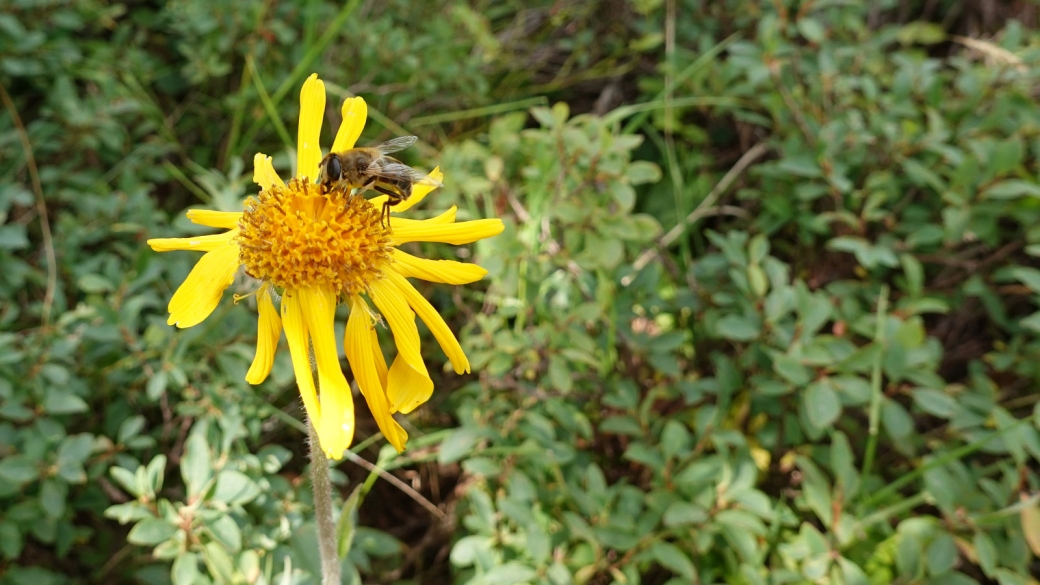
pixel 397 482
pixel 703 209
pixel 41 207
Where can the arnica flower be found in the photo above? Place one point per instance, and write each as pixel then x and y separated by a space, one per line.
pixel 311 251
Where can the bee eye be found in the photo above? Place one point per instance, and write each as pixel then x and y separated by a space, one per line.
pixel 333 168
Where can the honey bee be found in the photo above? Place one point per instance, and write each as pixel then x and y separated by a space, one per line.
pixel 369 167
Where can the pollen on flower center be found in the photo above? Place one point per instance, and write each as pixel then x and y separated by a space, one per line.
pixel 296 236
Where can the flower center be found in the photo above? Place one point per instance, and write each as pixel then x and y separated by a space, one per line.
pixel 295 236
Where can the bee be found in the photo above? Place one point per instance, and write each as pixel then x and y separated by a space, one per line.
pixel 369 167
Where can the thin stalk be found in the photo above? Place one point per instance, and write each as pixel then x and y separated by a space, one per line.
pixel 330 574
pixel 875 383
pixel 480 112
pixel 313 51
pixel 958 453
pixel 269 106
pixel 188 183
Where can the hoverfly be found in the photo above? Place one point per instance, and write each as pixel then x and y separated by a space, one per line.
pixel 369 167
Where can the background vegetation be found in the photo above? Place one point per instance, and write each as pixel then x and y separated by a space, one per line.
pixel 765 310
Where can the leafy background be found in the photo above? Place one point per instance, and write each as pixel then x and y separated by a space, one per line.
pixel 765 309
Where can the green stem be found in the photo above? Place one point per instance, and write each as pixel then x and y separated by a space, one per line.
pixel 313 51
pixel 330 574
pixel 875 383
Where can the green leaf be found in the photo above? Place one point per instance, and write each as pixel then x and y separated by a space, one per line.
pixel 895 419
pixel 935 402
pixel 622 193
pixel 986 552
pixel 18 469
pixel 273 457
pixel 1028 276
pixel 539 545
pixel 11 541
pixel 681 513
pixel 346 527
pixel 739 327
pixel 792 370
pixel 185 570
pixel 219 563
pixel 921 32
pixel 75 449
pixel 640 172
pixel 821 403
pixel 675 439
pixel 53 495
pixel 128 512
pixel 459 444
pixel 94 283
pixel 156 386
pixel 544 116
pixel 852 572
pixel 470 548
pixel 196 469
pixel 131 427
pixel 1011 189
pixel 642 453
pixel 154 474
pixel 673 558
pixel 63 402
pixel 811 29
pixel 226 531
pixel 127 479
pixel 13 237
pixel 560 374
pixel 509 573
pixel 914 272
pixel 941 554
pixel 843 462
pixel 235 488
pixel 151 531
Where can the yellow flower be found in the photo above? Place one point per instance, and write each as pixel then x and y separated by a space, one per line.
pixel 311 251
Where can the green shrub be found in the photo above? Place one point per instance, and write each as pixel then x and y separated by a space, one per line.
pixel 825 374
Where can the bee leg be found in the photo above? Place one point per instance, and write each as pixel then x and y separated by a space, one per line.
pixel 393 198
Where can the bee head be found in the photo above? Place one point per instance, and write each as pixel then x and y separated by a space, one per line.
pixel 331 169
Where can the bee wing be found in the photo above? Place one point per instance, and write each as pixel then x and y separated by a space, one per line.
pixel 396 144
pixel 397 170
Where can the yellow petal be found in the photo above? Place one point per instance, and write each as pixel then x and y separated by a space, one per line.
pixel 358 346
pixel 395 309
pixel 299 348
pixel 407 388
pixel 446 271
pixel 218 219
pixel 200 293
pixel 336 431
pixel 445 218
pixel 269 329
pixel 433 320
pixel 264 173
pixel 198 243
pixel 355 113
pixel 419 192
pixel 455 233
pixel 312 109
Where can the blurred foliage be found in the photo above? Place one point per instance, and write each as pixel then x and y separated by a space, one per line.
pixel 766 310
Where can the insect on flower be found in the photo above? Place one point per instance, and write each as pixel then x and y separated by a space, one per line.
pixel 369 167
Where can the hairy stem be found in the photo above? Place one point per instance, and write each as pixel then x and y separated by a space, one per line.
pixel 330 570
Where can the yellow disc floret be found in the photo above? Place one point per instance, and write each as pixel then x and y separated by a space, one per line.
pixel 295 236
